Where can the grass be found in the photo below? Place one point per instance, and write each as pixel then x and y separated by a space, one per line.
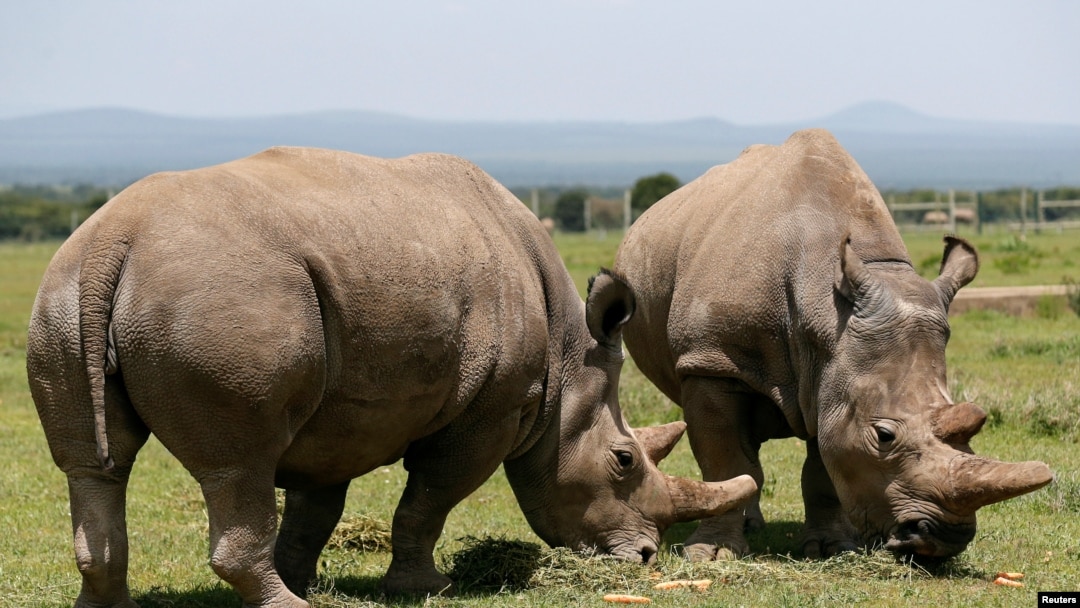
pixel 1005 259
pixel 1025 372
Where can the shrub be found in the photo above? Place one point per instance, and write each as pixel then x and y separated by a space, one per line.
pixel 1072 294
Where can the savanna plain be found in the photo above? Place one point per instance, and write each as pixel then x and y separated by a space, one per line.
pixel 1025 372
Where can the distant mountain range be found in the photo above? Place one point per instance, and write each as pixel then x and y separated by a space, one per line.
pixel 898 148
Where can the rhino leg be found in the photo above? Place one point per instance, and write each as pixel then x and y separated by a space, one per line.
pixel 308 521
pixel 443 470
pixel 827 531
pixel 98 519
pixel 719 416
pixel 241 507
pixel 97 496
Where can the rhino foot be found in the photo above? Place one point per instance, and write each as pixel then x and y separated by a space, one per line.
pixel 417 584
pixel 291 602
pixel 82 602
pixel 707 552
pixel 720 538
pixel 820 544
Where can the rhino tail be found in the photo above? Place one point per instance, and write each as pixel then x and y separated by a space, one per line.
pixel 98 278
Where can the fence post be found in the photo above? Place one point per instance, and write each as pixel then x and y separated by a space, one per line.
pixel 588 213
pixel 1040 213
pixel 1023 212
pixel 952 210
pixel 978 215
pixel 627 217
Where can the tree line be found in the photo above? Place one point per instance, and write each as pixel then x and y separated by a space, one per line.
pixel 33 213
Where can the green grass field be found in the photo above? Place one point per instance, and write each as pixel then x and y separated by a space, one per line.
pixel 1024 372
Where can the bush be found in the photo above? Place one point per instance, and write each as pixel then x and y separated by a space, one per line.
pixel 1072 294
pixel 570 210
pixel 650 189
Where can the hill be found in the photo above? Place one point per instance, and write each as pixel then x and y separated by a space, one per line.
pixel 899 148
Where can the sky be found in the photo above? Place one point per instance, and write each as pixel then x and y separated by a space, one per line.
pixel 759 62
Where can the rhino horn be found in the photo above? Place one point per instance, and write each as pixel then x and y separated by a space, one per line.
pixel 956 424
pixel 658 441
pixel 699 499
pixel 977 482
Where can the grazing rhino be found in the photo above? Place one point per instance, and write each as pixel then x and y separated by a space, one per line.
pixel 303 316
pixel 776 298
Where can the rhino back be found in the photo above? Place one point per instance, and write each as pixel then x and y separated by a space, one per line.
pixel 735 271
pixel 371 299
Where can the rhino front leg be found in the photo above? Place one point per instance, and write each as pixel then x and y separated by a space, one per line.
pixel 443 470
pixel 308 521
pixel 719 414
pixel 827 531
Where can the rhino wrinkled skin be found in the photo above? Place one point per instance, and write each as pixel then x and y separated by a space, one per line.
pixel 301 317
pixel 776 299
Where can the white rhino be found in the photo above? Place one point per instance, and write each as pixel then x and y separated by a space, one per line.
pixel 303 316
pixel 776 298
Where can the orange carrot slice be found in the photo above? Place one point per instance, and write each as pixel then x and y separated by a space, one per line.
pixel 700 585
pixel 619 598
pixel 1001 580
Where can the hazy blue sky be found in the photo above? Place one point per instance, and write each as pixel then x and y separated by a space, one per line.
pixel 757 61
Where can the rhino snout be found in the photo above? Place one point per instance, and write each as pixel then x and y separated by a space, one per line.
pixel 644 551
pixel 929 538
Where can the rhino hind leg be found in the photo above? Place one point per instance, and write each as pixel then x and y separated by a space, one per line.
pixel 97 495
pixel 827 531
pixel 241 507
pixel 101 543
pixel 309 519
pixel 719 417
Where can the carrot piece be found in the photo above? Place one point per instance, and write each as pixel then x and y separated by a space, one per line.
pixel 668 585
pixel 1001 580
pixel 619 598
pixel 700 585
pixel 1012 576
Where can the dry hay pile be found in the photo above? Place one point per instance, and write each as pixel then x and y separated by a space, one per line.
pixel 496 564
pixel 362 533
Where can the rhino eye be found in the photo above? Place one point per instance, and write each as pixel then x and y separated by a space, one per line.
pixel 626 459
pixel 884 435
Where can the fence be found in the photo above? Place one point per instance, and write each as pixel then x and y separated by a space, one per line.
pixel 1041 205
pixel 938 213
pixel 950 213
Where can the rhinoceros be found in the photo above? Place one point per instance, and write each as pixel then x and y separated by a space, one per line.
pixel 775 299
pixel 300 317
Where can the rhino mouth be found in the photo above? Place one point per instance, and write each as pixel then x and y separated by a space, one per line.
pixel 644 551
pixel 927 538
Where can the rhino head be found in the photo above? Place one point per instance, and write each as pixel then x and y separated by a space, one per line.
pixel 895 444
pixel 591 483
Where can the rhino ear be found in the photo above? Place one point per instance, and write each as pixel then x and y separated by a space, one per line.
pixel 956 424
pixel 852 278
pixel 959 265
pixel 609 306
pixel 658 441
